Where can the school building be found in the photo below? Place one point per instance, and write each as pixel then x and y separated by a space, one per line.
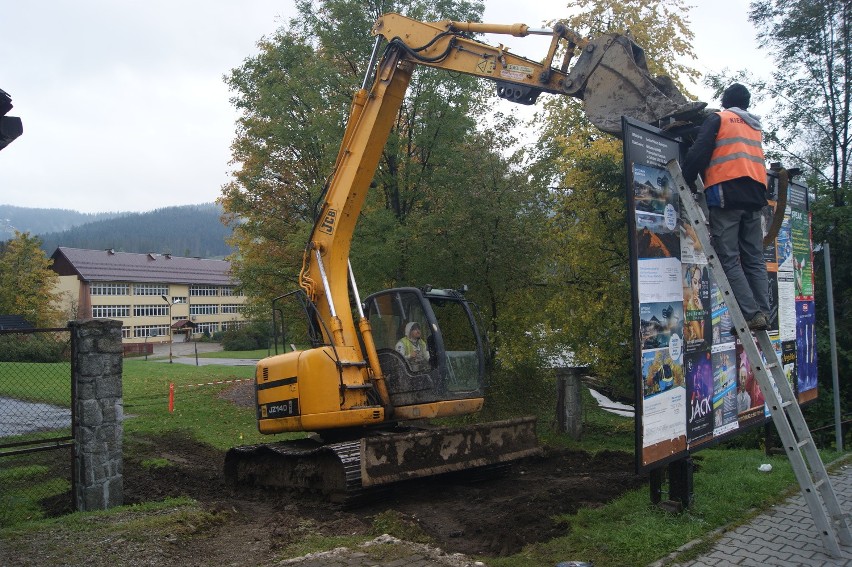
pixel 155 296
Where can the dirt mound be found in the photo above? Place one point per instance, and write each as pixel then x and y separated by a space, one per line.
pixel 487 516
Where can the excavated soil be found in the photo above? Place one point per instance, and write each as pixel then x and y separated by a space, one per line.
pixel 485 516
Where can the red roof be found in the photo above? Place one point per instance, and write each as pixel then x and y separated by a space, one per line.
pixel 108 265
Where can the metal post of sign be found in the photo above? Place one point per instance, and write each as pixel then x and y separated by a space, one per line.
pixel 835 380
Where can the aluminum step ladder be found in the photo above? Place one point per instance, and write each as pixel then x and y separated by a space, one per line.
pixel 832 523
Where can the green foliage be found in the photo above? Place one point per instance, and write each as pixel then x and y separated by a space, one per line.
pixel 37 347
pixel 586 308
pixel 811 42
pixel 27 284
pixel 249 337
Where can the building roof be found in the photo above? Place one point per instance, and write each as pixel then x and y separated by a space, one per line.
pixel 108 265
pixel 15 322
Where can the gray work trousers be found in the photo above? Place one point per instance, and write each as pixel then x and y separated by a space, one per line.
pixel 738 241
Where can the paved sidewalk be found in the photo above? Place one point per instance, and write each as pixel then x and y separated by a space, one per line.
pixel 784 535
pixel 184 353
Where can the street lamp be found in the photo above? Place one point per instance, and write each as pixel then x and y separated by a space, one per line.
pixel 169 303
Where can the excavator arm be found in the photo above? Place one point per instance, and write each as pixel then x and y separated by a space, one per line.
pixel 610 74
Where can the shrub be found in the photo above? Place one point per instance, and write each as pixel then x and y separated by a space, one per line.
pixel 35 347
pixel 250 337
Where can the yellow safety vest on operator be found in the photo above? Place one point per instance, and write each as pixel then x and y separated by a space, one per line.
pixel 738 152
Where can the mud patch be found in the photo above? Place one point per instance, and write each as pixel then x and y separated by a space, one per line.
pixel 459 513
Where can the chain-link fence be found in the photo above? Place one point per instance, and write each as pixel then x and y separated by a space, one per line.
pixel 36 437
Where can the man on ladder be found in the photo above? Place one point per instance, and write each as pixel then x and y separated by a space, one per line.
pixel 729 155
pixel 728 151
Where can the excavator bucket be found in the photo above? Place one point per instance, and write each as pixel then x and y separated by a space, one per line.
pixel 348 472
pixel 611 76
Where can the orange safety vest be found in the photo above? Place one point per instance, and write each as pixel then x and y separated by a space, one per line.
pixel 738 152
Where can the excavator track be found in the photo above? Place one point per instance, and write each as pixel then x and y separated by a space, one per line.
pixel 354 472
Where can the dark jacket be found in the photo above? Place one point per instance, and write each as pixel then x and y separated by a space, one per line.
pixel 742 193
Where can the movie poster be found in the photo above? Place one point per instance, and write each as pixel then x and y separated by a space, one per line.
pixel 721 317
pixel 788 360
pixel 806 360
pixel 784 244
pixel 696 307
pixel 699 379
pixel 723 359
pixel 750 399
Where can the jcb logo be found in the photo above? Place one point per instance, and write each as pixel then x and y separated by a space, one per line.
pixel 327 224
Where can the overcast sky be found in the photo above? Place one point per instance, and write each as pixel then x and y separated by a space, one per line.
pixel 124 107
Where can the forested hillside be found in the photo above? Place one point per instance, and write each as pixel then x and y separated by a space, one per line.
pixel 193 230
pixel 38 221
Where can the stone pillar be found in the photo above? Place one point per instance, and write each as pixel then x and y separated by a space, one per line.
pixel 98 413
pixel 569 410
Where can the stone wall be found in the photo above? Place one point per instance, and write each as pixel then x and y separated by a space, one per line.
pixel 98 413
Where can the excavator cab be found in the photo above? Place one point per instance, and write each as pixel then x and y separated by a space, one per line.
pixel 445 362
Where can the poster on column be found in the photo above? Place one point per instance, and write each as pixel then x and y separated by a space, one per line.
pixel 695 385
pixel 658 281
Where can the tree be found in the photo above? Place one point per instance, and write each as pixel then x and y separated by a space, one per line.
pixel 27 284
pixel 295 97
pixel 588 309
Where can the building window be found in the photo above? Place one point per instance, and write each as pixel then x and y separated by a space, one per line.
pixel 156 310
pixel 203 290
pixel 107 311
pixel 126 332
pixel 232 308
pixel 140 331
pixel 150 289
pixel 177 300
pixel 101 288
pixel 233 325
pixel 204 309
pixel 207 328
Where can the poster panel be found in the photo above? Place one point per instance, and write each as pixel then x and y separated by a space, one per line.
pixel 695 385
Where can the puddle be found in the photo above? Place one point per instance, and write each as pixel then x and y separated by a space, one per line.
pixel 18 417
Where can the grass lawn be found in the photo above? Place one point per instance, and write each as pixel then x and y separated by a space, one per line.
pixel 252 354
pixel 628 531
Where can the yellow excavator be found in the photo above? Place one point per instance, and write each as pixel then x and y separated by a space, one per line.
pixel 349 382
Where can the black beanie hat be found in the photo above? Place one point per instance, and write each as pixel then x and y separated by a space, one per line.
pixel 736 95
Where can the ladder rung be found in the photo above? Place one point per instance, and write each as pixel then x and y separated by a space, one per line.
pixel 787 403
pixel 803 442
pixel 819 483
pixel 771 365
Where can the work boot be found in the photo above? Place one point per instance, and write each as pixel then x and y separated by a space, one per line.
pixel 760 322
